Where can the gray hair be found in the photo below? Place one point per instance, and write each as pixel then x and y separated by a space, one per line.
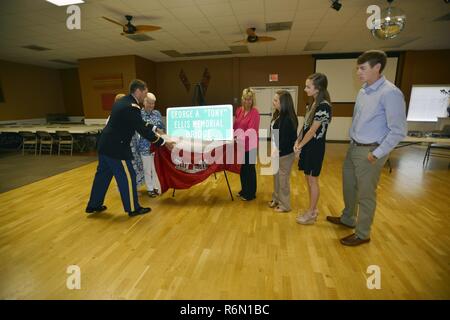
pixel 150 97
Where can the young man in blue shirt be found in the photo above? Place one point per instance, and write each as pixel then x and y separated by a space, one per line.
pixel 379 124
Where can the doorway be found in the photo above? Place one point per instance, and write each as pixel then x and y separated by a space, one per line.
pixel 264 96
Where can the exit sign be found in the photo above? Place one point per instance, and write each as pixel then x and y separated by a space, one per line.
pixel 273 77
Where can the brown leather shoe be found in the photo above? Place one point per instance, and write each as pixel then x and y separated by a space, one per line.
pixel 353 240
pixel 337 220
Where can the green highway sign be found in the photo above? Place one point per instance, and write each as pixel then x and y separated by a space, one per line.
pixel 202 122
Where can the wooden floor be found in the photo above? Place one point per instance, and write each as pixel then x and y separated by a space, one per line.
pixel 201 245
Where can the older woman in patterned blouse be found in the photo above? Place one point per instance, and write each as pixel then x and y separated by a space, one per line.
pixel 149 114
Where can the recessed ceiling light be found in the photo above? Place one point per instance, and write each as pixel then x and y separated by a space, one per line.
pixel 60 3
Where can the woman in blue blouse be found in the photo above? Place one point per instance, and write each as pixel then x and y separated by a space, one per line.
pixel 149 114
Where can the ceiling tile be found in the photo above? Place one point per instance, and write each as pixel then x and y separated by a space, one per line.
pixel 281 5
pixel 248 7
pixel 187 13
pixel 279 16
pixel 202 25
pixel 216 10
pixel 170 4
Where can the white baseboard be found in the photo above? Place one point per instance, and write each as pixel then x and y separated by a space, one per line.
pixel 421 126
pixel 95 121
pixel 338 130
pixel 76 119
pixel 25 121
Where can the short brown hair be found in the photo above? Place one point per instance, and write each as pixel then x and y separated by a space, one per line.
pixel 137 84
pixel 373 57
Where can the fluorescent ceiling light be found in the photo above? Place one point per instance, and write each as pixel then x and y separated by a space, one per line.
pixel 65 2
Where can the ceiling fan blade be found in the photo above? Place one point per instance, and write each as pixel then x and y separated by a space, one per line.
pixel 265 39
pixel 114 21
pixel 251 31
pixel 146 28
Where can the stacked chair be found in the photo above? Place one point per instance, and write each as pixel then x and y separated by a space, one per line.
pixel 65 141
pixel 29 141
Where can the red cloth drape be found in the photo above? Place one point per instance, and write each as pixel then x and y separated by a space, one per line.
pixel 174 175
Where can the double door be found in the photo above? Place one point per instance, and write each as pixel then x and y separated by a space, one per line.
pixel 264 97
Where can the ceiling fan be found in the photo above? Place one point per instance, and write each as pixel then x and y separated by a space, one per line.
pixel 129 28
pixel 252 37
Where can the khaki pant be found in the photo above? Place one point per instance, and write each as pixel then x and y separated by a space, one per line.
pixel 360 180
pixel 282 182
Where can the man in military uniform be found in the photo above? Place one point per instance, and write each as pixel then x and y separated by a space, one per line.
pixel 114 152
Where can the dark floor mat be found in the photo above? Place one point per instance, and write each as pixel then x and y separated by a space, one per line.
pixel 17 170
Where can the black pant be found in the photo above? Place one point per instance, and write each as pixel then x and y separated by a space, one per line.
pixel 248 175
pixel 125 176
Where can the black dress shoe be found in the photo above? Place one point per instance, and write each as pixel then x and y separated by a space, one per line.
pixel 353 240
pixel 337 220
pixel 139 211
pixel 98 209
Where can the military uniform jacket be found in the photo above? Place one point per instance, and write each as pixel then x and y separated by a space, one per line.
pixel 124 120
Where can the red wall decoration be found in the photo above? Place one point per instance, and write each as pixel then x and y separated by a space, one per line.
pixel 107 100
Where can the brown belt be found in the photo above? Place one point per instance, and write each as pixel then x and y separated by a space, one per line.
pixel 365 144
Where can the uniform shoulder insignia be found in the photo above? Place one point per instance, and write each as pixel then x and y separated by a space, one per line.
pixel 135 105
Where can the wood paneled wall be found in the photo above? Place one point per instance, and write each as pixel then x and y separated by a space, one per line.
pixel 70 82
pixel 32 92
pixel 171 91
pixel 96 68
pixel 424 67
pixel 29 91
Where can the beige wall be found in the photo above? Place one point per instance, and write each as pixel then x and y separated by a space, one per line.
pixel 291 70
pixel 29 91
pixel 103 67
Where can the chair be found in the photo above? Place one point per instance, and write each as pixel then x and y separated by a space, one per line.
pixel 29 141
pixel 65 141
pixel 46 141
pixel 436 146
pixel 443 133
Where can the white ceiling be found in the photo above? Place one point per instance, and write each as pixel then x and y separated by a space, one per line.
pixel 209 25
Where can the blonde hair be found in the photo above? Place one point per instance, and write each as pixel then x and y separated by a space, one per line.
pixel 119 96
pixel 248 93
